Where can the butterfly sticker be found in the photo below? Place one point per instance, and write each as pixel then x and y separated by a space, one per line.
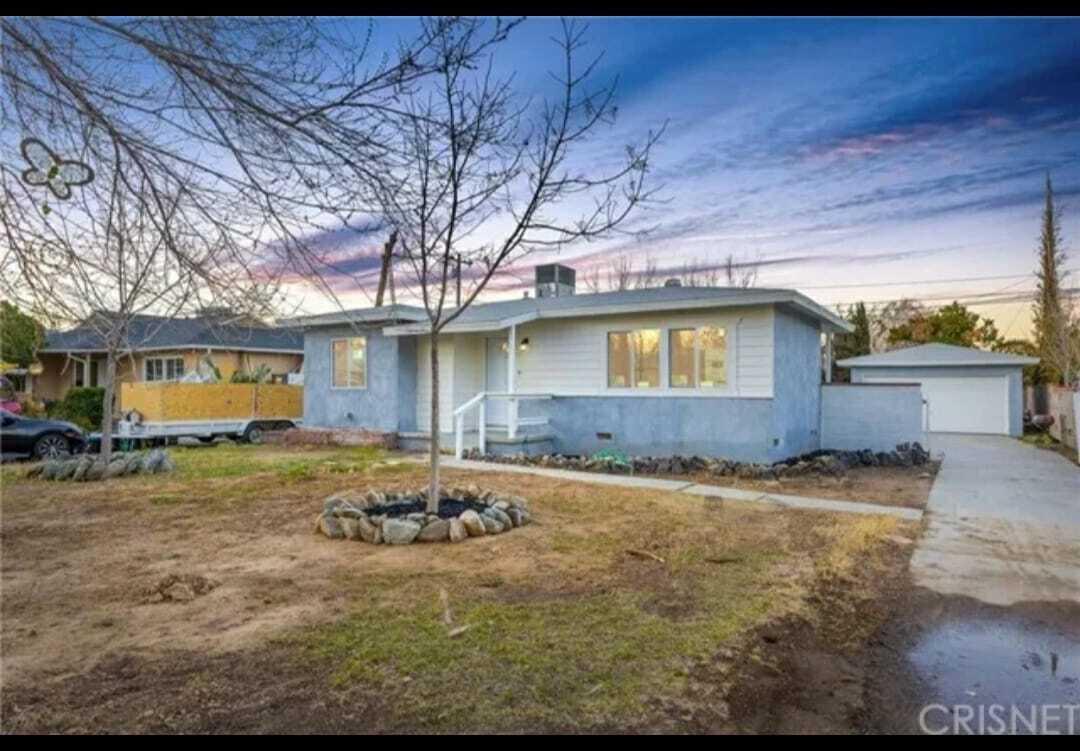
pixel 46 168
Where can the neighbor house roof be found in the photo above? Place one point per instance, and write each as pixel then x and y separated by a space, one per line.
pixel 160 333
pixel 499 315
pixel 935 356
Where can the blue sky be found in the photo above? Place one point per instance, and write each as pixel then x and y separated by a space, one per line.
pixel 844 154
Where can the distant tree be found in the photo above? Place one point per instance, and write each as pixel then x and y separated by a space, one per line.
pixel 20 335
pixel 854 344
pixel 892 315
pixel 953 324
pixel 1032 373
pixel 622 273
pixel 1055 317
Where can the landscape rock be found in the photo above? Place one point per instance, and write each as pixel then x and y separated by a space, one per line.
pixel 331 527
pixel 492 526
pixel 400 531
pixel 473 525
pixel 436 531
pixel 457 530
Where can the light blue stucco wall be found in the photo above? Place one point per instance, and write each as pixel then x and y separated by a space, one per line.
pixel 387 403
pixel 796 413
pixel 662 426
pixel 872 416
pixel 1014 373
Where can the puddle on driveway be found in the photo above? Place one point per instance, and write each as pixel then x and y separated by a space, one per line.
pixel 983 660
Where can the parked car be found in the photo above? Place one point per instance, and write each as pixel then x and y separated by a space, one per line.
pixel 40 439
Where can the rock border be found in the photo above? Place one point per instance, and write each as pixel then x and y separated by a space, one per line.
pixel 831 463
pixel 362 516
pixel 86 467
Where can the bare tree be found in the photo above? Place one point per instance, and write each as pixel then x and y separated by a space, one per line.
pixel 485 176
pixel 621 273
pixel 1061 348
pixel 740 273
pixel 218 147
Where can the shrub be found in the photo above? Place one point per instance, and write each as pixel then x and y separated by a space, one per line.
pixel 82 406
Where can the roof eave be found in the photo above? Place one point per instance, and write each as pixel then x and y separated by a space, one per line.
pixel 1018 362
pixel 836 323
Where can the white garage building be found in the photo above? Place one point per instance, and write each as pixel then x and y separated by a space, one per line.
pixel 964 390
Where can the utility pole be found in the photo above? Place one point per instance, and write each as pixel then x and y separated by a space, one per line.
pixel 386 271
pixel 457 272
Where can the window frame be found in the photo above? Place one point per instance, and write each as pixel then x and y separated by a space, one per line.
pixel 727 389
pixel 346 339
pixel 164 360
pixel 632 350
pixel 696 358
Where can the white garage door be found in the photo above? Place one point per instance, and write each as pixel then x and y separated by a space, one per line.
pixel 963 405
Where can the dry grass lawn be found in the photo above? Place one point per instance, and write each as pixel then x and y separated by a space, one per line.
pixel 567 630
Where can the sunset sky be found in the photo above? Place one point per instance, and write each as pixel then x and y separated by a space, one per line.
pixel 857 159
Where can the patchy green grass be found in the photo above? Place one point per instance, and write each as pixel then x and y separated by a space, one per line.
pixel 239 460
pixel 550 661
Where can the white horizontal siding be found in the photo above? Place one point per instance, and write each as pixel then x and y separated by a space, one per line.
pixel 446 384
pixel 570 356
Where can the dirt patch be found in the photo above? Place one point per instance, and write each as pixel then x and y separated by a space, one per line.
pixel 908 487
pixel 179 588
pixel 286 631
pixel 808 673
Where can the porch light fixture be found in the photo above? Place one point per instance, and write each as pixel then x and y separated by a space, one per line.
pixel 524 346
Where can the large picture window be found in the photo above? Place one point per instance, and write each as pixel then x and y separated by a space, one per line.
pixel 349 363
pixel 163 368
pixel 698 357
pixel 634 359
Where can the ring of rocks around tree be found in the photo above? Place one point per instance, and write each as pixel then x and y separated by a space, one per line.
pixel 400 518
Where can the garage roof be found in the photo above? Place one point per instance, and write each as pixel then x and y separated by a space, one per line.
pixel 935 356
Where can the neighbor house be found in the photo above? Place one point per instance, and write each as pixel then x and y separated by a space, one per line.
pixel 689 370
pixel 164 349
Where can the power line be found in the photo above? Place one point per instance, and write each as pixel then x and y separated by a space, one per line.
pixel 860 285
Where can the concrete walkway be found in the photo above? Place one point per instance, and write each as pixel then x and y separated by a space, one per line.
pixel 679 486
pixel 1004 522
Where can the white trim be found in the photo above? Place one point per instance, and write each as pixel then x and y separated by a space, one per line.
pixel 1019 362
pixel 749 300
pixel 164 359
pixel 347 339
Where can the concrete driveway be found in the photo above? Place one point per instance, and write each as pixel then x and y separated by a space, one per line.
pixel 1004 522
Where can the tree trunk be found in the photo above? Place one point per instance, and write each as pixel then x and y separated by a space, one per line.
pixel 433 486
pixel 108 408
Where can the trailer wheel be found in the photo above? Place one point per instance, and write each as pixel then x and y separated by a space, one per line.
pixel 254 433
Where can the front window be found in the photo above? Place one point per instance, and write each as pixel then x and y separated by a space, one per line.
pixel 84 373
pixel 698 357
pixel 634 359
pixel 164 369
pixel 349 362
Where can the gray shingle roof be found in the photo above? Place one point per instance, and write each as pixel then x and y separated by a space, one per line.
pixel 935 355
pixel 494 315
pixel 155 332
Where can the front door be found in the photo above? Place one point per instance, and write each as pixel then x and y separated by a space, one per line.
pixel 496 361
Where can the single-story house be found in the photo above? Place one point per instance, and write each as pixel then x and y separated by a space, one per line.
pixel 965 390
pixel 674 370
pixel 164 349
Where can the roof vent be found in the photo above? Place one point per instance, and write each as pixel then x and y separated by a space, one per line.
pixel 673 282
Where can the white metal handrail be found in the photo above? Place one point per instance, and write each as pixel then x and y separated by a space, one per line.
pixel 479 402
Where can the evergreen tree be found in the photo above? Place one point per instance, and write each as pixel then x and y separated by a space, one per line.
pixel 854 344
pixel 1047 318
